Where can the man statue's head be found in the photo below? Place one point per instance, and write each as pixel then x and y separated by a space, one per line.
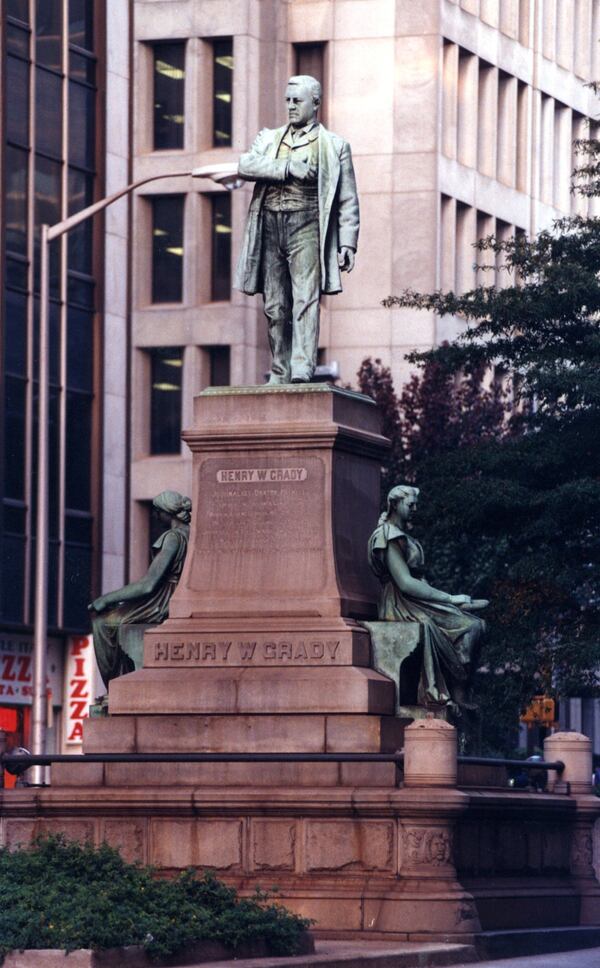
pixel 302 97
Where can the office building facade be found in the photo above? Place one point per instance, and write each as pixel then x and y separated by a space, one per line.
pixel 59 59
pixel 461 118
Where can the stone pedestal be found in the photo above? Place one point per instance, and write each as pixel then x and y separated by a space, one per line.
pixel 264 652
pixel 264 621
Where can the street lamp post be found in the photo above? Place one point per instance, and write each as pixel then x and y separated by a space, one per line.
pixel 225 175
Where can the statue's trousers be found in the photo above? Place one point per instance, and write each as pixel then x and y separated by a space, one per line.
pixel 291 269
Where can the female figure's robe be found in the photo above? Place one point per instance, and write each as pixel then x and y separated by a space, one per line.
pixel 450 635
pixel 149 609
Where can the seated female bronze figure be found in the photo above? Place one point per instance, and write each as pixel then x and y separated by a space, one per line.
pixel 144 602
pixel 450 634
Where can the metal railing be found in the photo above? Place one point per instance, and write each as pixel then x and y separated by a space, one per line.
pixel 19 762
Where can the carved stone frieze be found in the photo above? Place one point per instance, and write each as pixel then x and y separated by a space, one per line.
pixel 582 850
pixel 426 846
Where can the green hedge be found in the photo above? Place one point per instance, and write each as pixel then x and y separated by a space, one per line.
pixel 60 894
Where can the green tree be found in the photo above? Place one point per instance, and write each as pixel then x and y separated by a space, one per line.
pixel 511 484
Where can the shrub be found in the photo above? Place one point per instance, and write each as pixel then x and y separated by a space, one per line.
pixel 61 894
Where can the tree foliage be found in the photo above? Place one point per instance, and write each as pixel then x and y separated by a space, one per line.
pixel 510 475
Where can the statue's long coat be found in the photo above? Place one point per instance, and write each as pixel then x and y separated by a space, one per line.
pixel 338 205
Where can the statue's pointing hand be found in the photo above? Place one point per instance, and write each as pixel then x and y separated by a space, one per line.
pixel 346 258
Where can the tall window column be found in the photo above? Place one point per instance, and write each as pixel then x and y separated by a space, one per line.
pixel 166 367
pixel 167 248
pixel 221 246
pixel 222 92
pixel 169 94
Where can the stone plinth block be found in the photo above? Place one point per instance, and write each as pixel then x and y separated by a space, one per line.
pixel 254 690
pixel 291 733
pixel 285 495
pixel 225 775
pixel 430 753
pixel 397 652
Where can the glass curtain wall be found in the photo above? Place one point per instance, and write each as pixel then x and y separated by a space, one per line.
pixel 49 150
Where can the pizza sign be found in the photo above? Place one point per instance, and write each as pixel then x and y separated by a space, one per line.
pixel 78 687
pixel 16 670
pixel 15 677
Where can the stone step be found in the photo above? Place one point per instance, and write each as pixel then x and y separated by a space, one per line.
pixel 252 691
pixel 536 941
pixel 243 734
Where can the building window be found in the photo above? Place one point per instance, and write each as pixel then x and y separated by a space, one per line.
pixel 222 91
pixel 166 364
pixel 219 365
pixel 167 248
pixel 169 91
pixel 310 59
pixel 19 9
pixel 81 23
pixel 221 247
pixel 48 26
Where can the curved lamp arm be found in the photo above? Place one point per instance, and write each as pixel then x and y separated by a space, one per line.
pixel 225 175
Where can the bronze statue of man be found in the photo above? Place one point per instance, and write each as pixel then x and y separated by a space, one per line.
pixel 302 228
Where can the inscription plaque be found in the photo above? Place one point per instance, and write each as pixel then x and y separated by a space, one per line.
pixel 261 524
pixel 260 475
pixel 246 651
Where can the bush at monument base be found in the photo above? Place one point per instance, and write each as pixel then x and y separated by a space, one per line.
pixel 61 894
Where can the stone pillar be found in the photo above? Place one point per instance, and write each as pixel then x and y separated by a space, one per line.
pixel 575 750
pixel 430 754
pixel 431 806
pixel 450 100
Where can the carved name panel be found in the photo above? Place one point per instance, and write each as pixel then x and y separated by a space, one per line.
pixel 261 524
pixel 213 650
pixel 261 475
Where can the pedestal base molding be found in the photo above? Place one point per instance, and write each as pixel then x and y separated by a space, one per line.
pixel 361 862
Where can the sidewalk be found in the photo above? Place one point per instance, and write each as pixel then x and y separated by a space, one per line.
pixel 333 954
pixel 373 954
